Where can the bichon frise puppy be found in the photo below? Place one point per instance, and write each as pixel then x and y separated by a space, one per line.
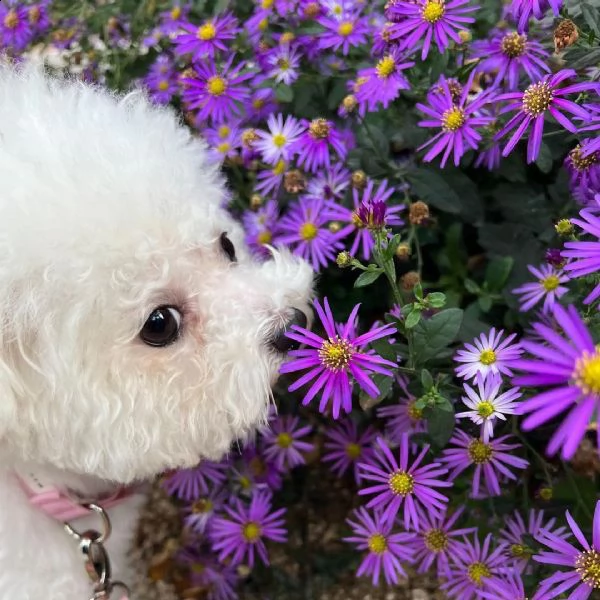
pixel 137 334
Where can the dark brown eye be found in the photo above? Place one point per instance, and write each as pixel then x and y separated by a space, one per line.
pixel 228 247
pixel 162 327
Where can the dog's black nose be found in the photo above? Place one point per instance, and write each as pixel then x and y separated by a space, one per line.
pixel 283 344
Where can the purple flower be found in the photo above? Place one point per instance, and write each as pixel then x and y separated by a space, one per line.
pixel 284 62
pixel 435 540
pixel 218 581
pixel 515 531
pixel 472 564
pixel 385 549
pixel 402 417
pixel 162 81
pixel 199 514
pixel 191 484
pixel 283 444
pixel 487 406
pixel 254 472
pixel 397 483
pixel 305 228
pixel 345 447
pixel 15 28
pixel 583 565
pixel 260 104
pixel 370 214
pixel 571 369
pixel 584 172
pixel 270 180
pixel 507 54
pixel 215 92
pixel 345 32
pixel 261 226
pixel 553 257
pixel 204 41
pixel 456 117
pixel 279 141
pixel 487 354
pixel 241 535
pixel 547 287
pixel 509 586
pixel 421 21
pixel 490 460
pixel 523 9
pixel 225 141
pixel 39 16
pixel 313 147
pixel 67 33
pixel 173 19
pixel 332 360
pixel 330 184
pixel 540 98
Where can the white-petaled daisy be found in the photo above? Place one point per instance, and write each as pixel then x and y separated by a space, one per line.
pixel 277 143
pixel 487 406
pixel 487 354
pixel 547 287
pixel 284 62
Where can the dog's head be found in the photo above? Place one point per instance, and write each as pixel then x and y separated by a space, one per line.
pixel 137 333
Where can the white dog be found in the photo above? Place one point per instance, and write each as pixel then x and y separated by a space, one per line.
pixel 137 334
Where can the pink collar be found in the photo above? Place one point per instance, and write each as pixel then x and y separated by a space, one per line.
pixel 64 505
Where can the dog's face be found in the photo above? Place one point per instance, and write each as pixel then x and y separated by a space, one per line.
pixel 138 334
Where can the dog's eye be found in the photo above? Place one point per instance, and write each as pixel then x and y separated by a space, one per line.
pixel 228 247
pixel 162 326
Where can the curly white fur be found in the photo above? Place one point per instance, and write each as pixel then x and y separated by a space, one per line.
pixel 108 209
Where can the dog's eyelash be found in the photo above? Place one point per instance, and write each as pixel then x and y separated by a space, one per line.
pixel 228 247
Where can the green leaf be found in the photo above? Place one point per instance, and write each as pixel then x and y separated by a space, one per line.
pixel 413 318
pixel 497 272
pixel 544 160
pixel 385 349
pixel 367 278
pixel 426 379
pixel 384 385
pixel 436 299
pixel 472 287
pixel 392 246
pixel 284 93
pixel 433 334
pixel 591 16
pixel 431 187
pixel 440 424
pixel 485 303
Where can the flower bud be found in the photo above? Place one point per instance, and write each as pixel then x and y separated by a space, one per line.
pixel 344 260
pixel 359 180
pixel 564 227
pixel 403 251
pixel 294 181
pixel 334 227
pixel 409 280
pixel 256 201
pixel 418 212
pixel 350 103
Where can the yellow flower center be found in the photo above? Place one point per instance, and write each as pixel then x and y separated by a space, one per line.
pixel 476 571
pixel 337 10
pixel 267 4
pixel 377 543
pixel 224 131
pixel 264 237
pixel 336 354
pixel 319 129
pixel 587 565
pixel 520 551
pixel 546 493
pixel 385 67
pixel 175 12
pixel 485 409
pixel 245 482
pixel 353 451
pixel 537 99
pixel 346 28
pixel 433 11
pixel 251 531
pixel 287 37
pixel 479 452
pixel 283 64
pixel 513 44
pixel 583 163
pixel 163 85
pixel 280 167
pixel 257 466
pixel 198 568
pixel 224 147
pixel 587 372
pixel 308 231
pixel 487 357
pixel 453 119
pixel 216 86
pixel 284 440
pixel 436 540
pixel 206 32
pixel 11 20
pixel 564 227
pixel 550 283
pixel 202 506
pixel 414 413
pixel 279 140
pixel 34 14
pixel 401 483
pixel 264 23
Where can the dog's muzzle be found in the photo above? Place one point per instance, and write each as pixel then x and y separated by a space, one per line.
pixel 283 344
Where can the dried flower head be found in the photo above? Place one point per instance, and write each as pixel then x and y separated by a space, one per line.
pixel 565 35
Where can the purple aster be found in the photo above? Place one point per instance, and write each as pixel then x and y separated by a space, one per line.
pixel 490 460
pixel 15 28
pixel 332 360
pixel 283 443
pixel 457 118
pixel 472 565
pixel 279 142
pixel 191 484
pixel 487 404
pixel 314 145
pixel 402 417
pixel 39 16
pixel 254 472
pixel 67 33
pixel 516 531
pixel 217 581
pixel 487 354
pixel 198 515
pixel 398 483
pixel 370 214
pixel 344 447
pixel 553 257
pixel 508 54
pixel 269 181
pixel 593 124
pixel 386 550
pixel 547 288
pixel 224 140
pixel 534 103
pixel 509 586
pixel 331 183
pixel 421 21
pixel 583 566
pixel 261 227
pixel 436 540
pixel 346 31
pixel 241 535
pixel 284 63
pixel 205 40
pixel 523 9
pixel 173 19
pixel 260 104
pixel 570 367
pixel 305 229
pixel 215 92
pixel 584 172
pixel 162 80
